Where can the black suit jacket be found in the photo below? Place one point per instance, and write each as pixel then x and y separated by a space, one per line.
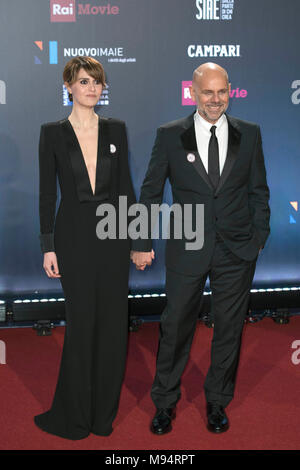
pixel 60 157
pixel 238 209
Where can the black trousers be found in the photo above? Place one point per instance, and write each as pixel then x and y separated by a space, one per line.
pixel 230 282
pixel 95 283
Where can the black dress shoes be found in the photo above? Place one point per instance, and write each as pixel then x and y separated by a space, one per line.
pixel 161 423
pixel 217 420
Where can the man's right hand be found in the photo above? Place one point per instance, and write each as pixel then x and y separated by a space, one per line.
pixel 50 264
pixel 141 259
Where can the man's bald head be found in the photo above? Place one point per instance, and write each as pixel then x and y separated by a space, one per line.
pixel 210 90
pixel 209 70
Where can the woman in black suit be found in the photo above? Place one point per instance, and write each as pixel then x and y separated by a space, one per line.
pixel 89 155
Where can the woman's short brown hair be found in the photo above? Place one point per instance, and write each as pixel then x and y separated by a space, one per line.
pixel 90 65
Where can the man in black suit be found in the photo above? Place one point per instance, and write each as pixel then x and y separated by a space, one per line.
pixel 215 160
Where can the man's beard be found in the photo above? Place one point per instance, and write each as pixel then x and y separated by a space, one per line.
pixel 208 117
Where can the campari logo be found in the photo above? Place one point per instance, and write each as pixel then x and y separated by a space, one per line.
pixel 214 50
pixel 186 99
pixel 66 11
pixel 214 9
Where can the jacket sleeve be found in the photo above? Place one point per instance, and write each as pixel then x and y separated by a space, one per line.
pixel 47 190
pixel 153 186
pixel 258 193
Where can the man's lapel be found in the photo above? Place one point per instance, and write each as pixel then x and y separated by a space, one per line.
pixel 188 139
pixel 234 140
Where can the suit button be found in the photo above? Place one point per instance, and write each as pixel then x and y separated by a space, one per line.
pixel 216 219
pixel 215 197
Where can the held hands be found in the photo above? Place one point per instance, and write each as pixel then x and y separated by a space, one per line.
pixel 142 258
pixel 50 264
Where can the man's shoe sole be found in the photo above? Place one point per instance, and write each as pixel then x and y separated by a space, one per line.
pixel 217 431
pixel 160 433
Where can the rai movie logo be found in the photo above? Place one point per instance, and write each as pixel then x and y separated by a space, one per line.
pixel 214 9
pixel 62 11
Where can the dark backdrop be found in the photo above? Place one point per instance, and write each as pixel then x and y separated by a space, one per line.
pixel 144 46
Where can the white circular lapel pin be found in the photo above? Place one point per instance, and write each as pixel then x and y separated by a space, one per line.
pixel 112 148
pixel 191 157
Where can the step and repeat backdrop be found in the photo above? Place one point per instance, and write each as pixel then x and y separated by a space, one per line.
pixel 149 49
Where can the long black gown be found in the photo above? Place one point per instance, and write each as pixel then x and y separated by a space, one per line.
pixel 94 276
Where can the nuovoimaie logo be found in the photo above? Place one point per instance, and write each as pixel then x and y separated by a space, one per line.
pixel 66 11
pixel 295 211
pixel 53 58
pixel 214 10
pixel 186 99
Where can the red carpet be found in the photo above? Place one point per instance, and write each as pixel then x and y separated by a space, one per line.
pixel 265 413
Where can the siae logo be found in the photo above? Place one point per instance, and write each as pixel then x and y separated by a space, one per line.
pixel 2 92
pixel 214 9
pixel 296 94
pixel 52 52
